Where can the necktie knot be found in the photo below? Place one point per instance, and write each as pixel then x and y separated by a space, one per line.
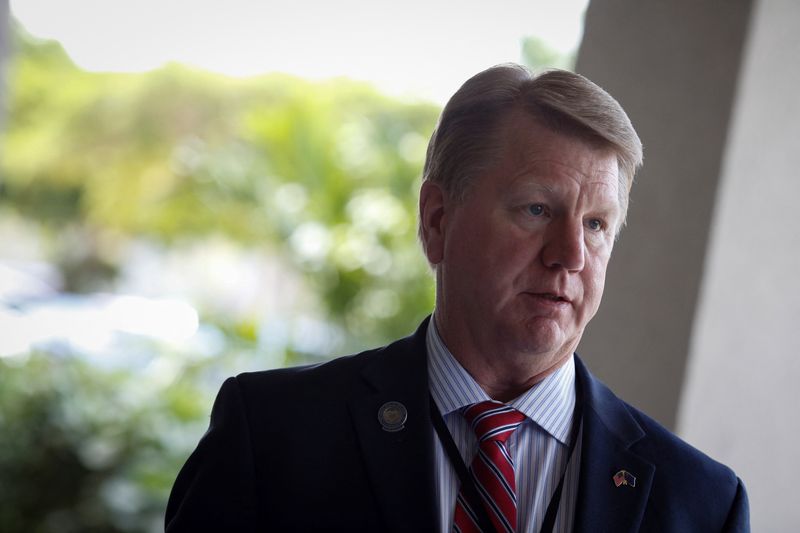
pixel 493 421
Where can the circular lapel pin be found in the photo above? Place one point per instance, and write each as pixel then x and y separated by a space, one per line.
pixel 392 416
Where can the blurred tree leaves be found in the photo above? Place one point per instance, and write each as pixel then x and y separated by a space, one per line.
pixel 325 173
pixel 88 449
pixel 322 175
pixel 538 55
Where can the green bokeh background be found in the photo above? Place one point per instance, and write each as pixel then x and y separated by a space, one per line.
pixel 320 178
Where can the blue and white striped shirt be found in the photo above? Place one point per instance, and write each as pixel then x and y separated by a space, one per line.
pixel 539 447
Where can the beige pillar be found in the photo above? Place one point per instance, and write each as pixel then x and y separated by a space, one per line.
pixel 741 398
pixel 703 294
pixel 674 67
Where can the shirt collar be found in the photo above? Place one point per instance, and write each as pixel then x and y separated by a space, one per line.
pixel 549 403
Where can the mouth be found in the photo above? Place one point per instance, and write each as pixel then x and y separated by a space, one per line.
pixel 551 297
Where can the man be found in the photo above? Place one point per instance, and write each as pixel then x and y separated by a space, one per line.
pixel 484 419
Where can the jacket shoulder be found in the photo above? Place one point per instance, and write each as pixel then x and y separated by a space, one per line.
pixel 689 480
pixel 673 453
pixel 332 382
pixel 690 491
pixel 649 438
pixel 300 380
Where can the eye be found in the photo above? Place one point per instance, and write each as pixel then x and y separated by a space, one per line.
pixel 595 224
pixel 536 210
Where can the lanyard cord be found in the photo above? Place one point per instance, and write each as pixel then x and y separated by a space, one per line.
pixel 468 482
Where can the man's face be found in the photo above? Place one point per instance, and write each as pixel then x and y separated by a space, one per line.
pixel 521 262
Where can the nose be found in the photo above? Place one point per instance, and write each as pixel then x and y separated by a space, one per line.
pixel 564 246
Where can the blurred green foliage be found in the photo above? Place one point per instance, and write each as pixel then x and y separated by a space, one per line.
pixel 323 175
pixel 88 449
pixel 538 55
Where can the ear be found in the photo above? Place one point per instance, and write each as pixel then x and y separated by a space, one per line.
pixel 432 221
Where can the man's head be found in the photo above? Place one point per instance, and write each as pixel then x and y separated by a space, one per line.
pixel 526 186
pixel 465 140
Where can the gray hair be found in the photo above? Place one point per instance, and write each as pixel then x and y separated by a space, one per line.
pixel 463 143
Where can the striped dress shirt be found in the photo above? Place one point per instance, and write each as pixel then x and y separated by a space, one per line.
pixel 539 447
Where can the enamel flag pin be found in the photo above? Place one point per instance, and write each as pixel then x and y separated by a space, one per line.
pixel 623 477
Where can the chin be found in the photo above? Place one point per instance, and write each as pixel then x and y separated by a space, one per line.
pixel 534 342
pixel 540 336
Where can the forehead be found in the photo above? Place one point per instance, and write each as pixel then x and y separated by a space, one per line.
pixel 529 151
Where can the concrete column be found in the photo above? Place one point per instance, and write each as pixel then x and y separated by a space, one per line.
pixel 741 398
pixel 703 294
pixel 674 67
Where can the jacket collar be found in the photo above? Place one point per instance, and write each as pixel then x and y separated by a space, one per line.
pixel 609 432
pixel 399 464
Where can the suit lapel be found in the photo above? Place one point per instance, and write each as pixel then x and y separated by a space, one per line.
pixel 399 464
pixel 608 433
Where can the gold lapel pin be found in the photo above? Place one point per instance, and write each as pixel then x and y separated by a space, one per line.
pixel 623 477
pixel 392 416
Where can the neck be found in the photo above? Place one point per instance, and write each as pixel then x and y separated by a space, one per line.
pixel 505 376
pixel 505 388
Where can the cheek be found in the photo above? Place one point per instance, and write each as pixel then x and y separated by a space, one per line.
pixel 470 242
pixel 484 245
pixel 594 282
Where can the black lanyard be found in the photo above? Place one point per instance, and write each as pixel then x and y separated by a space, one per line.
pixel 468 483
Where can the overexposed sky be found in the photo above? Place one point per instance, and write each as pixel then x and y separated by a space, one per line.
pixel 423 48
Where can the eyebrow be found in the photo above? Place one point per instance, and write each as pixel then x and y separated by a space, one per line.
pixel 526 183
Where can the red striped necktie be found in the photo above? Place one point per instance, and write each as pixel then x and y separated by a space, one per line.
pixel 492 468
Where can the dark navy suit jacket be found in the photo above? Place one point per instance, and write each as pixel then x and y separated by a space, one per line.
pixel 303 450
